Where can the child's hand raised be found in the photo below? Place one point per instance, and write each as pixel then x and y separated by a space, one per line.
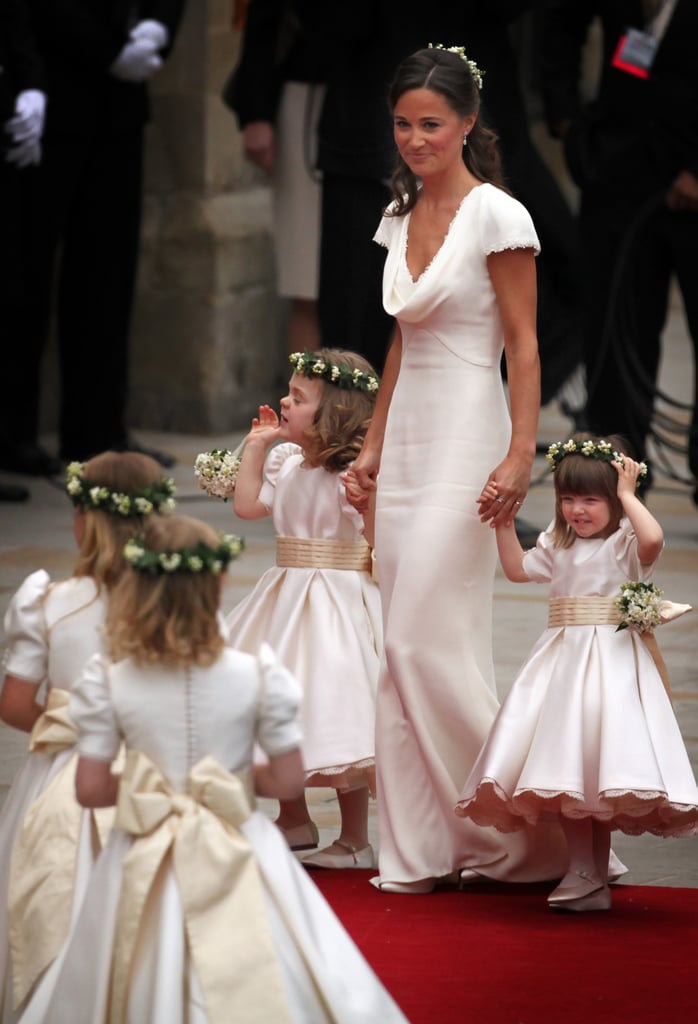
pixel 265 426
pixel 628 474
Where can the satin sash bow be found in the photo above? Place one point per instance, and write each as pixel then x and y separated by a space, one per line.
pixel 225 916
pixel 53 730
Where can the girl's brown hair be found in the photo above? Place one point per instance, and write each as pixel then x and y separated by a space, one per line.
pixel 585 475
pixel 171 618
pixel 342 417
pixel 105 533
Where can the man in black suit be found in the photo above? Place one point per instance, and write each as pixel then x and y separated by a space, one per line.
pixel 634 153
pixel 22 107
pixel 85 215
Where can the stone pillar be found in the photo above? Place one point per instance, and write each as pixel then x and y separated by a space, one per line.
pixel 206 341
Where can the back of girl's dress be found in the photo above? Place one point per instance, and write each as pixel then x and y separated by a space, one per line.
pixel 52 630
pixel 197 912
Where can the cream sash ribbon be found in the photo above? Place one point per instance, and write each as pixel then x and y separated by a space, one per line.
pixel 221 891
pixel 44 854
pixel 315 553
pixel 602 611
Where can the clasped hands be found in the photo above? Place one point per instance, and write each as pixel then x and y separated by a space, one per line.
pixel 140 58
pixel 26 128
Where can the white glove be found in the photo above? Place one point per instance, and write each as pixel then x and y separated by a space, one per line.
pixel 137 62
pixel 27 124
pixel 153 31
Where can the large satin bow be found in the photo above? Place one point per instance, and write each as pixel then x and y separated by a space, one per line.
pixel 226 920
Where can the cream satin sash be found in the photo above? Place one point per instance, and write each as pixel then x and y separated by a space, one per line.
pixel 44 854
pixel 603 611
pixel 316 553
pixel 226 920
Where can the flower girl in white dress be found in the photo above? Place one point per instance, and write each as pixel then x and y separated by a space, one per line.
pixel 47 842
pixel 587 734
pixel 319 607
pixel 197 912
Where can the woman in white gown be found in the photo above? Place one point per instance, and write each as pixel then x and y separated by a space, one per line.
pixel 197 912
pixel 460 280
pixel 47 842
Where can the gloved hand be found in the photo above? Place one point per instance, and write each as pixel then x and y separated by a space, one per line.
pixel 152 31
pixel 26 128
pixel 137 62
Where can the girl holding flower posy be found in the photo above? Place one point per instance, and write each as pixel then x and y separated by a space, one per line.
pixel 319 606
pixel 587 734
pixel 47 842
pixel 197 911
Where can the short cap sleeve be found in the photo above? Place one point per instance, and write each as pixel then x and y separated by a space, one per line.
pixel 25 627
pixel 505 224
pixel 538 562
pixel 625 551
pixel 278 730
pixel 93 713
pixel 272 466
pixel 386 230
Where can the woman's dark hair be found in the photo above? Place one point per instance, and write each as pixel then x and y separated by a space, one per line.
pixel 450 76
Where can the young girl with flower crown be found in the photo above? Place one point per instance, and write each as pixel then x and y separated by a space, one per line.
pixel 196 911
pixel 587 734
pixel 319 606
pixel 47 842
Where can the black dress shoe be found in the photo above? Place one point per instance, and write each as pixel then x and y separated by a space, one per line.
pixel 12 492
pixel 29 458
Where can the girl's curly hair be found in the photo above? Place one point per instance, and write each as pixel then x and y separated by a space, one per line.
pixel 342 418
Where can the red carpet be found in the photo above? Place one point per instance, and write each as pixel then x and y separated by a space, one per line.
pixel 495 954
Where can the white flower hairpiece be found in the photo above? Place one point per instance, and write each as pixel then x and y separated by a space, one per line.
pixel 196 560
pixel 217 471
pixel 309 364
pixel 90 495
pixel 601 450
pixel 475 71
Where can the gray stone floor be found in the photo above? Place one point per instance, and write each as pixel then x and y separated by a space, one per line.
pixel 39 534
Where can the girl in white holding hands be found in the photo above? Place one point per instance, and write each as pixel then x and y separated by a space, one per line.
pixel 197 911
pixel 319 607
pixel 587 734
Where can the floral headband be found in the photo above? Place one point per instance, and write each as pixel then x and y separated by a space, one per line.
pixel 475 71
pixel 600 450
pixel 196 560
pixel 308 364
pixel 90 495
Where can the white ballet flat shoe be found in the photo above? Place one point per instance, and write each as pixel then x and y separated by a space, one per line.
pixel 583 886
pixel 301 837
pixel 468 876
pixel 419 888
pixel 353 858
pixel 600 899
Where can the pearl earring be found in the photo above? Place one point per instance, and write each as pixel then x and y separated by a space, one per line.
pixel 465 139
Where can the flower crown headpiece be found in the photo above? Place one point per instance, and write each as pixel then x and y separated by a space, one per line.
pixel 308 364
pixel 90 495
pixel 601 450
pixel 475 71
pixel 195 560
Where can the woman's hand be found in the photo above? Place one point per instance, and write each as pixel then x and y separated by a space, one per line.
pixel 505 491
pixel 357 497
pixel 365 468
pixel 265 427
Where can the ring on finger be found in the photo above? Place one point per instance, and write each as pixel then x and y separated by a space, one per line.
pixel 519 503
pixel 500 501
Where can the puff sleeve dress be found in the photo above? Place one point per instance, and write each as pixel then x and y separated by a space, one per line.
pixel 587 729
pixel 194 949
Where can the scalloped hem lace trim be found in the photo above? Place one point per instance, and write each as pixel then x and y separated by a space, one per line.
pixel 341 769
pixel 513 244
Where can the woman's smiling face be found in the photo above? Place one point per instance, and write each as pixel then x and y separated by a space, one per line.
pixel 428 132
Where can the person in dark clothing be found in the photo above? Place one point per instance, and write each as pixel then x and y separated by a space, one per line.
pixel 633 151
pixel 82 221
pixel 22 107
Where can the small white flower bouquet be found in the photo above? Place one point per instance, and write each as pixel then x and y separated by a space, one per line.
pixel 217 471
